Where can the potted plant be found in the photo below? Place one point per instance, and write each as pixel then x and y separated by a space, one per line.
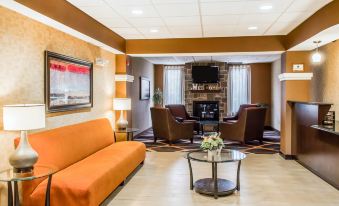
pixel 157 98
pixel 213 145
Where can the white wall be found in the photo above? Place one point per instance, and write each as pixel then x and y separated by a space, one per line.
pixel 276 95
pixel 141 115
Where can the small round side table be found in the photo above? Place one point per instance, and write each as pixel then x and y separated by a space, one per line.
pixel 215 186
pixel 10 176
pixel 128 131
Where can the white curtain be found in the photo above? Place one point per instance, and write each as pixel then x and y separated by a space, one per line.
pixel 174 84
pixel 239 87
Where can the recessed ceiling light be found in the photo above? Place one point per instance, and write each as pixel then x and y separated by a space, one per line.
pixel 252 28
pixel 266 7
pixel 137 12
pixel 153 30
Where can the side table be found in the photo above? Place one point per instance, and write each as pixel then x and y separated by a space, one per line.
pixel 128 131
pixel 10 176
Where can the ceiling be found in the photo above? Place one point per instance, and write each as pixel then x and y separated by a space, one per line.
pixel 231 58
pixel 154 19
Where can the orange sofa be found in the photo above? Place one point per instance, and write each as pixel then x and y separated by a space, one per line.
pixel 89 164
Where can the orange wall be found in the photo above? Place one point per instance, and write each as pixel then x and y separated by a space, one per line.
pixel 159 77
pixel 261 86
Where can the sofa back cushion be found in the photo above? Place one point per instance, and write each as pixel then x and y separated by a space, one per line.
pixel 62 147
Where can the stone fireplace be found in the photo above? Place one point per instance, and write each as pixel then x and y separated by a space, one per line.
pixel 218 96
pixel 206 110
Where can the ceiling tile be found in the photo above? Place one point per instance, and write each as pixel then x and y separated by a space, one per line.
pixel 128 2
pixel 220 20
pixel 183 21
pixel 307 5
pixel 173 1
pixel 223 8
pixel 242 29
pixel 126 11
pixel 125 31
pixel 114 22
pixel 219 31
pixel 258 18
pixel 100 12
pixel 146 22
pixel 278 6
pixel 186 31
pixel 177 10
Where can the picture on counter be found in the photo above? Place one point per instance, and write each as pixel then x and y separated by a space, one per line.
pixel 68 83
pixel 145 86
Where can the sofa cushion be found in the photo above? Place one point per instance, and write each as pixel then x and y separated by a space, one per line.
pixel 89 181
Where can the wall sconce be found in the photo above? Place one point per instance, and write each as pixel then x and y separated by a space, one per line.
pixel 316 56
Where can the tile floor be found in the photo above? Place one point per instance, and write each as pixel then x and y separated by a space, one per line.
pixel 266 180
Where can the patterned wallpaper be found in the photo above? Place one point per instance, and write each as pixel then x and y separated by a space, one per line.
pixel 324 85
pixel 23 42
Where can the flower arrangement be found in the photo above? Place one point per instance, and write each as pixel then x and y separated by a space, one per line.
pixel 212 142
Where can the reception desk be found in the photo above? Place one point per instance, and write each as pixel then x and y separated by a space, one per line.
pixel 317 147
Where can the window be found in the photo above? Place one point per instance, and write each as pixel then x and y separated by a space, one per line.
pixel 239 87
pixel 173 84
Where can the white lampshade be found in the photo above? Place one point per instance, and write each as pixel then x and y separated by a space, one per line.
pixel 122 104
pixel 22 117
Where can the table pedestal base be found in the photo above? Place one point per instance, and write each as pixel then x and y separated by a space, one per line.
pixel 206 186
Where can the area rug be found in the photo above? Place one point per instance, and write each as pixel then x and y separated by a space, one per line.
pixel 271 144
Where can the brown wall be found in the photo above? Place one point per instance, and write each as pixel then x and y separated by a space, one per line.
pixel 261 86
pixel 159 77
pixel 325 84
pixel 292 90
pixel 23 42
pixel 205 45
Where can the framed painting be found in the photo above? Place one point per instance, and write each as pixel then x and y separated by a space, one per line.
pixel 68 83
pixel 145 88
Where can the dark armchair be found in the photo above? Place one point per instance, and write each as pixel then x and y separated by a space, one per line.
pixel 249 126
pixel 179 113
pixel 241 109
pixel 165 126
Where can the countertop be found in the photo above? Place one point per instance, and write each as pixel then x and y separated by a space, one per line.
pixel 313 103
pixel 334 130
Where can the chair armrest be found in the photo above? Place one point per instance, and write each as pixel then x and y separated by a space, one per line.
pixel 229 118
pixel 194 118
pixel 179 119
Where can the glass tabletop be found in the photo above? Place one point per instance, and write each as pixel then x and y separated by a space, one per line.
pixel 225 156
pixel 127 130
pixel 206 122
pixel 38 172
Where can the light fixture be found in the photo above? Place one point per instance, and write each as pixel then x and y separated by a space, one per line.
pixel 252 28
pixel 122 104
pixel 266 7
pixel 316 56
pixel 23 117
pixel 153 30
pixel 137 12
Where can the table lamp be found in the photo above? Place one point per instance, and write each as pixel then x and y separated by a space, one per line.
pixel 23 117
pixel 122 104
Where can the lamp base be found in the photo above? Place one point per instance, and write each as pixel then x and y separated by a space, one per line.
pixel 23 170
pixel 24 157
pixel 122 123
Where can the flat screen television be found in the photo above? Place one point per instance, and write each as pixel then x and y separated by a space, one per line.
pixel 205 74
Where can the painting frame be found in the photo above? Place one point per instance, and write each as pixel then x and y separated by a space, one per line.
pixel 67 60
pixel 145 88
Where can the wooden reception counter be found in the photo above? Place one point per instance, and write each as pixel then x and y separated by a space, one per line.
pixel 317 147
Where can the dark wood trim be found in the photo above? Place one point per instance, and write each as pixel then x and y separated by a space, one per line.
pixel 319 175
pixel 287 157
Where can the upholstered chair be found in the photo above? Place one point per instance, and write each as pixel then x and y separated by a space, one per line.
pixel 180 114
pixel 249 126
pixel 241 109
pixel 167 127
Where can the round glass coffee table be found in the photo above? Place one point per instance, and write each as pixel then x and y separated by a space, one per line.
pixel 215 186
pixel 10 175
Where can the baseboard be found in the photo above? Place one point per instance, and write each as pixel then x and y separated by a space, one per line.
pixel 287 157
